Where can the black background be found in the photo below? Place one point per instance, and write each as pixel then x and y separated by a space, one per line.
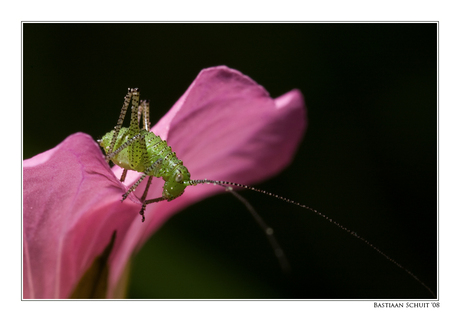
pixel 368 160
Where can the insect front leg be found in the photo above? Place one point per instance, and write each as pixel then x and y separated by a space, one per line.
pixel 155 168
pixel 146 202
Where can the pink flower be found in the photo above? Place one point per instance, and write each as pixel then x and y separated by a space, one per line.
pixel 225 127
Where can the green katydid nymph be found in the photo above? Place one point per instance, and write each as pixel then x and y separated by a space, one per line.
pixel 137 149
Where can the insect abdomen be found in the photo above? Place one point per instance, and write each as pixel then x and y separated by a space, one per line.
pixel 159 149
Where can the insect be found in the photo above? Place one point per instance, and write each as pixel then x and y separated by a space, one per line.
pixel 136 148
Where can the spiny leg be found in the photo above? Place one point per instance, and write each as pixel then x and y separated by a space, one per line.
pixel 157 163
pixel 144 196
pixel 134 124
pixel 135 150
pixel 145 109
pixel 121 118
pixel 146 202
pixel 124 146
pixel 139 112
pixel 133 187
pixel 118 127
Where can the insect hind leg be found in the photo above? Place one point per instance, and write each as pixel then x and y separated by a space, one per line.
pixel 144 113
pixel 121 118
pixel 124 146
pixel 156 164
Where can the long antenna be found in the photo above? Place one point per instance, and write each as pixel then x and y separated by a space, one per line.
pixel 227 183
pixel 279 253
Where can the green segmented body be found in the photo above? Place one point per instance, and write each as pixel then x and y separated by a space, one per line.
pixel 143 151
pixel 153 157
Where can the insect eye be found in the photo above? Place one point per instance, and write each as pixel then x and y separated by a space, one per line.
pixel 179 177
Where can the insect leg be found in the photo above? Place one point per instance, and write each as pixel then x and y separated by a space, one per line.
pixel 139 112
pixel 134 125
pixel 133 187
pixel 146 202
pixel 124 108
pixel 123 175
pixel 144 196
pixel 157 163
pixel 136 148
pixel 144 108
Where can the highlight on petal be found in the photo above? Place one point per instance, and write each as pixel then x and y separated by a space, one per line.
pixel 224 127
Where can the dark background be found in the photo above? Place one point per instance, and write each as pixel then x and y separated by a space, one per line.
pixel 368 160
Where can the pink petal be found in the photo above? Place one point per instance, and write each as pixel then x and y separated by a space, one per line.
pixel 225 127
pixel 71 207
